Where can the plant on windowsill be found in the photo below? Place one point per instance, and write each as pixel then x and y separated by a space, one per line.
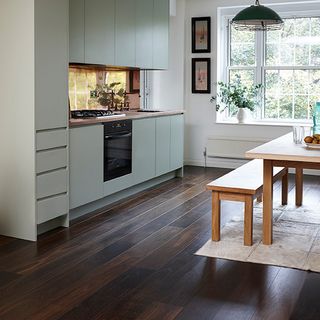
pixel 237 98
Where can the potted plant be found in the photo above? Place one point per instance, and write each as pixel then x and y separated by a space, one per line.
pixel 237 98
pixel 107 96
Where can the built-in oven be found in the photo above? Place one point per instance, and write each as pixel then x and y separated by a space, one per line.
pixel 117 149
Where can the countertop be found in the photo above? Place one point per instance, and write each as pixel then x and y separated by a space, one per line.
pixel 130 115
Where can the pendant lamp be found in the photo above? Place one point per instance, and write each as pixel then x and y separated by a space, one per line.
pixel 257 18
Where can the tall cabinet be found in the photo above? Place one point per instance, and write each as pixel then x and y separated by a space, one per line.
pixel 51 113
pixel 130 33
pixel 34 165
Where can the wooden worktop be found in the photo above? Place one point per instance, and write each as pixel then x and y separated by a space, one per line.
pixel 130 115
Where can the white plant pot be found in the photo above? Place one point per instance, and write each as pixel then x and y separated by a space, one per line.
pixel 242 115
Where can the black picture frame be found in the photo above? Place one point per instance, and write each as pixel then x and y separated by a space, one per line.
pixel 196 23
pixel 201 71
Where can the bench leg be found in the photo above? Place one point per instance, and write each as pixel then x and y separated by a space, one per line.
pixel 299 186
pixel 284 189
pixel 215 216
pixel 248 220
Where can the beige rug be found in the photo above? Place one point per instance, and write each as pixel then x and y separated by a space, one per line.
pixel 296 240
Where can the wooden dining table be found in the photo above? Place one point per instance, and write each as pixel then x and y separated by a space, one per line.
pixel 282 152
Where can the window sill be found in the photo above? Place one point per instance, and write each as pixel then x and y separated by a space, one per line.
pixel 264 123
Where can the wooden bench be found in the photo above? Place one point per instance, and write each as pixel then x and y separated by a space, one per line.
pixel 244 184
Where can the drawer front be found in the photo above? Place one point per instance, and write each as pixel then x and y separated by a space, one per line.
pixel 51 160
pixel 52 183
pixel 51 139
pixel 52 208
pixel 117 184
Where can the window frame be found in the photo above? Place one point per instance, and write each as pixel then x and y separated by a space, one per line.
pixel 260 68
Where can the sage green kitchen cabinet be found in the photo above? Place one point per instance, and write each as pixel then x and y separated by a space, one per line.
pixel 100 31
pixel 163 134
pixel 51 76
pixel 76 31
pixel 129 33
pixel 176 142
pixel 143 149
pixel 125 33
pixel 118 184
pixel 161 34
pixel 86 164
pixel 144 34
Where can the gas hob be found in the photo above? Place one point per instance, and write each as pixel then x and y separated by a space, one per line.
pixel 85 114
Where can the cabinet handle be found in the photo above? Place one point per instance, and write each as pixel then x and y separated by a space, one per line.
pixel 118 136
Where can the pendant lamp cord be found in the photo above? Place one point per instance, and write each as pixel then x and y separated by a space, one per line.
pixel 257 3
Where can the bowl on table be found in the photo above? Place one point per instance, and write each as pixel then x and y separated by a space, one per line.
pixel 313 141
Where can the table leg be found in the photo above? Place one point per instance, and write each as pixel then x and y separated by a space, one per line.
pixel 284 189
pixel 299 186
pixel 215 216
pixel 267 201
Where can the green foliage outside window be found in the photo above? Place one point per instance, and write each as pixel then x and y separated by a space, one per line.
pixel 290 71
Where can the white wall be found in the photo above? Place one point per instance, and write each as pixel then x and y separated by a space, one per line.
pixel 17 172
pixel 200 113
pixel 168 86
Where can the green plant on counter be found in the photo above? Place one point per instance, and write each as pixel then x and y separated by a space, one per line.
pixel 104 93
pixel 235 95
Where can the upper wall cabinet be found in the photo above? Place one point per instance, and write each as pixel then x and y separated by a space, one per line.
pixel 125 33
pixel 144 38
pixel 161 15
pixel 130 33
pixel 76 31
pixel 100 31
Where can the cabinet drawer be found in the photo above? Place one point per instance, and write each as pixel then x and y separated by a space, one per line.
pixel 52 208
pixel 52 183
pixel 51 160
pixel 51 139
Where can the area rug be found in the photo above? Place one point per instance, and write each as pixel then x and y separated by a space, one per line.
pixel 296 240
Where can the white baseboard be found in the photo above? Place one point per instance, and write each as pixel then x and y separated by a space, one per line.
pixel 233 164
pixel 216 163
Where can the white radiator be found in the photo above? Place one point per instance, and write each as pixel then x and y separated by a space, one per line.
pixel 231 147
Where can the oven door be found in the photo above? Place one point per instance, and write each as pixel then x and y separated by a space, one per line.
pixel 117 155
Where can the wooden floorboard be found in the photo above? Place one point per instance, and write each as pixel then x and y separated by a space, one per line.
pixel 135 259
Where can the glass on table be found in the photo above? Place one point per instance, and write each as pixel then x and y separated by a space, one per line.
pixel 298 134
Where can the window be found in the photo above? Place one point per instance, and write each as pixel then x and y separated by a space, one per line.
pixel 286 62
pixel 82 81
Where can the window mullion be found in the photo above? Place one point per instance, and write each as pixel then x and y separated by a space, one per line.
pixel 259 49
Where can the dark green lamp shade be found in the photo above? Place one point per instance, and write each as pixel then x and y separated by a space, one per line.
pixel 257 18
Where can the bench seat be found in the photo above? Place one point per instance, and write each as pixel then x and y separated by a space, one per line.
pixel 243 184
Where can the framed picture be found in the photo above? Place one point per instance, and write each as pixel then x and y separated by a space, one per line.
pixel 201 75
pixel 201 35
pixel 134 79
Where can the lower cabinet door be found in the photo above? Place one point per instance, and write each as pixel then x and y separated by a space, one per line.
pixel 177 142
pixel 163 145
pixel 143 150
pixel 86 164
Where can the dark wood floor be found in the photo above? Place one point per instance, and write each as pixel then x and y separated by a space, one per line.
pixel 135 260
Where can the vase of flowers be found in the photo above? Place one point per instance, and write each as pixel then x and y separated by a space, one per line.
pixel 239 99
